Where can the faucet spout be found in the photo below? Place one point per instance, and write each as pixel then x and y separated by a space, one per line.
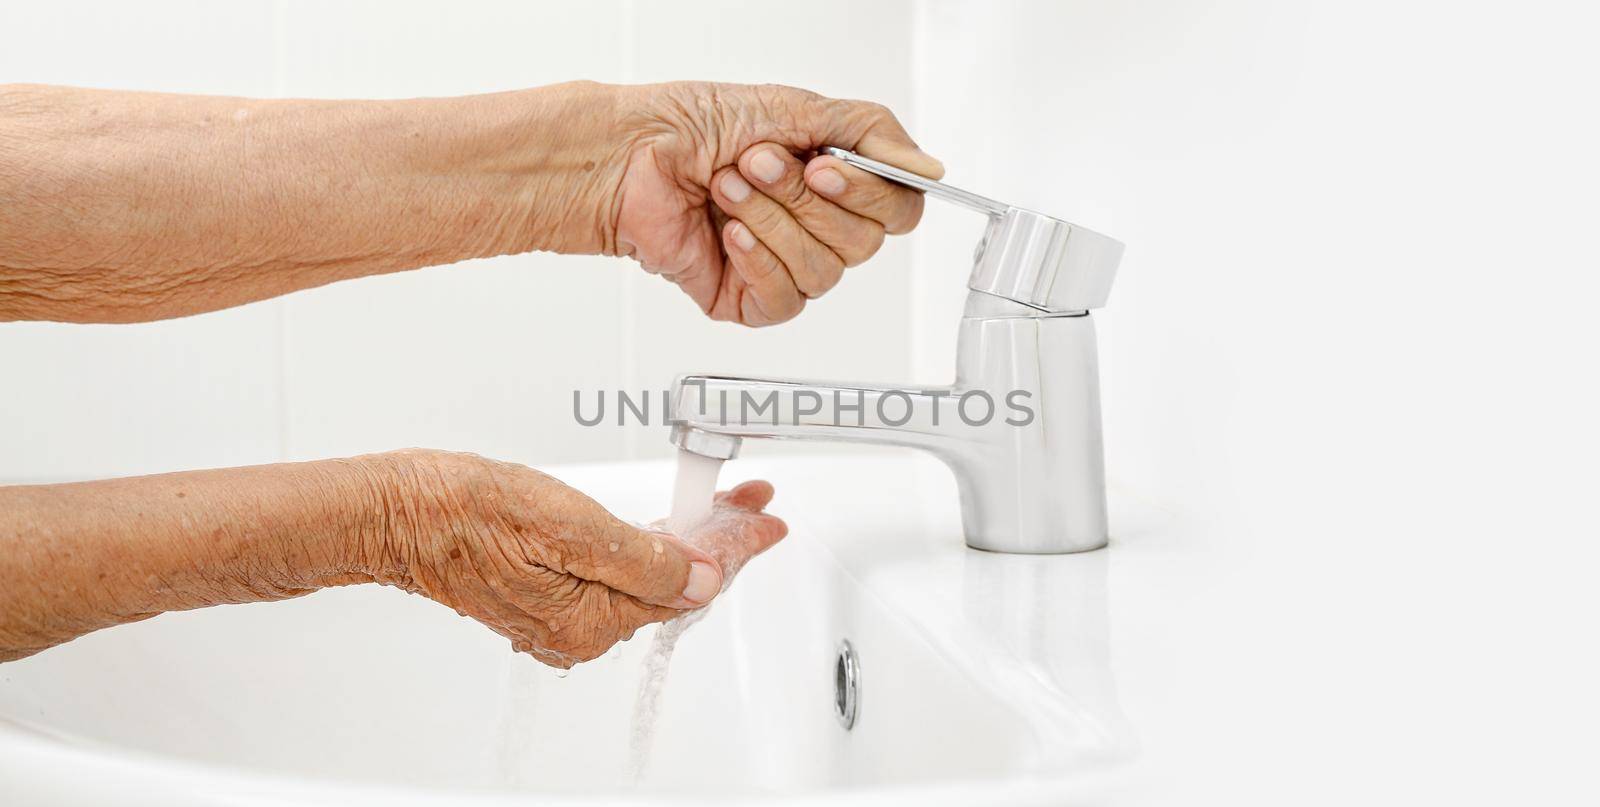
pixel 1019 427
pixel 731 407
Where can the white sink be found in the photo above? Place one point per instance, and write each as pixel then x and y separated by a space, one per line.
pixel 982 676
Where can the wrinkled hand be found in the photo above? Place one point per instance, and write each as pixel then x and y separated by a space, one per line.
pixel 722 193
pixel 544 565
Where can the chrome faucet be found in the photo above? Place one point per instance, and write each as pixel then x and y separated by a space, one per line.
pixel 1019 427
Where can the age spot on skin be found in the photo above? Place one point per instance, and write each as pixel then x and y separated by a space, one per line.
pixel 455 554
pixel 181 494
pixel 614 546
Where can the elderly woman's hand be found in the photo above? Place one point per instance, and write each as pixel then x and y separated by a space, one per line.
pixel 534 560
pixel 721 192
pixel 542 564
pixel 716 187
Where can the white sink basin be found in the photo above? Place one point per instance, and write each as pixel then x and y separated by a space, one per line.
pixel 981 675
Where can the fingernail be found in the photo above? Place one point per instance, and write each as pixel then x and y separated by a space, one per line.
pixel 828 181
pixel 742 236
pixel 703 582
pixel 734 187
pixel 766 166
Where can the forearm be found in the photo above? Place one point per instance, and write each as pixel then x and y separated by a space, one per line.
pixel 122 206
pixel 79 557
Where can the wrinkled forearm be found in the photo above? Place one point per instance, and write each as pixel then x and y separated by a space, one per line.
pixel 79 557
pixel 124 206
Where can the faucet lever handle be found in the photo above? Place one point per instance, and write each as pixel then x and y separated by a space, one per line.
pixel 934 188
pixel 1039 261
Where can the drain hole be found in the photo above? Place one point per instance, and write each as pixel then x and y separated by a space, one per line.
pixel 840 684
pixel 846 685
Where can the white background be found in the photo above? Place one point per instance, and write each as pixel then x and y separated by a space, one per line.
pixel 1360 263
pixel 1353 331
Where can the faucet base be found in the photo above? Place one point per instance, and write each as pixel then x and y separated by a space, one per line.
pixel 1001 549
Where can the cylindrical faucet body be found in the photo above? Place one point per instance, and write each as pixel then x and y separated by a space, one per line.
pixel 1039 486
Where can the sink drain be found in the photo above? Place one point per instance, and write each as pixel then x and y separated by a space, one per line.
pixel 846 685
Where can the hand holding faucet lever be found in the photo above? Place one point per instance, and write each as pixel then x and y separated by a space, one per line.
pixel 1028 484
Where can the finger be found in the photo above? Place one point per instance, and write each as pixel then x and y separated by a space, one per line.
pixel 525 641
pixel 770 295
pixel 629 614
pixel 580 627
pixel 782 178
pixel 603 617
pixel 532 636
pixel 813 267
pixel 896 207
pixel 734 536
pixel 753 495
pixel 653 566
pixel 762 531
pixel 545 656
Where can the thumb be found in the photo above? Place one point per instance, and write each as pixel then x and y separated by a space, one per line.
pixel 737 529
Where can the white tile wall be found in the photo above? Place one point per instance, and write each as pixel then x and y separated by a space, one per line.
pixel 481 356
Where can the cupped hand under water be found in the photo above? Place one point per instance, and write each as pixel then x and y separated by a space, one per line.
pixel 546 566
